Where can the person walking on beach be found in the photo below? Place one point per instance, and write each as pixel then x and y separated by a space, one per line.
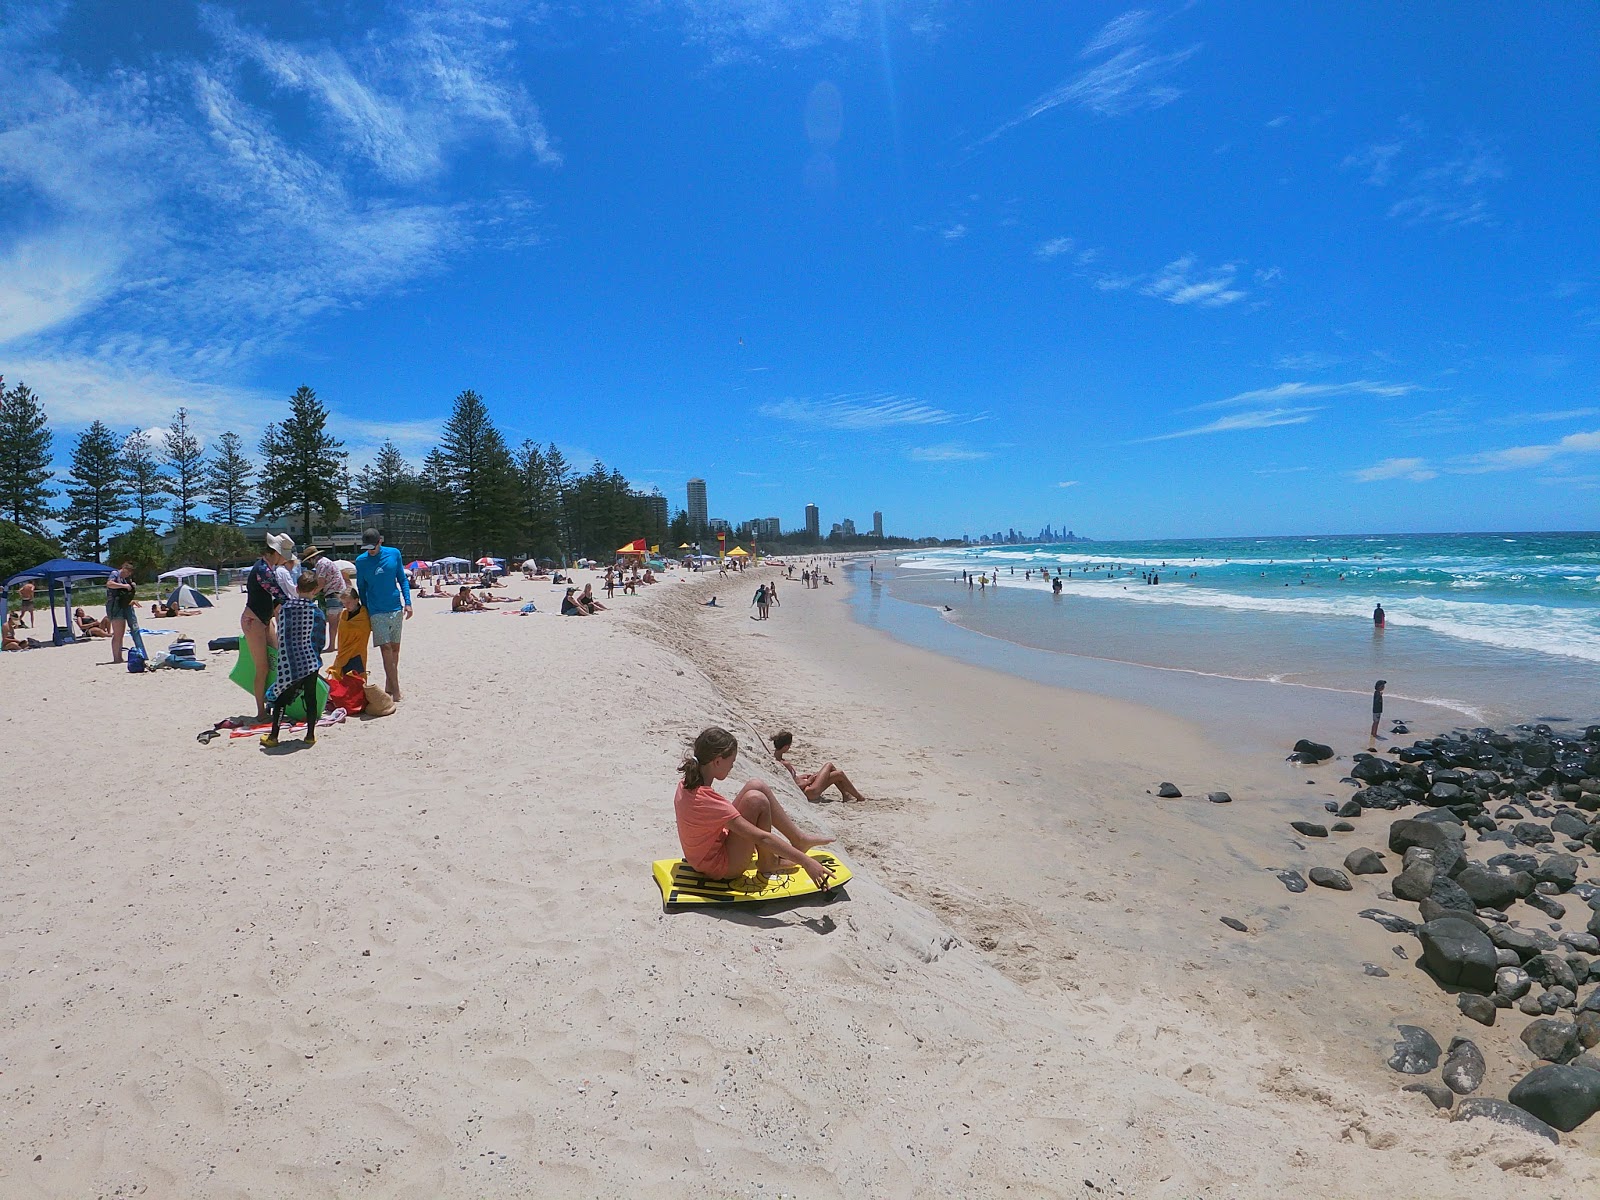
pixel 1377 711
pixel 818 781
pixel 25 601
pixel 760 601
pixel 1377 617
pixel 298 661
pixel 386 593
pixel 720 837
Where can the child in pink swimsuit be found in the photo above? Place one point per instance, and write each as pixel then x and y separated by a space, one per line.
pixel 720 836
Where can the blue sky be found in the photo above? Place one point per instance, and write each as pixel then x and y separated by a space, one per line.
pixel 1179 270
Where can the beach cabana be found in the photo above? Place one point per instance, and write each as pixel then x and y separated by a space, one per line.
pixel 738 552
pixel 62 573
pixel 637 548
pixel 187 597
pixel 189 575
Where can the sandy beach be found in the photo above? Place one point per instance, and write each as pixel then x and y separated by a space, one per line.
pixel 426 958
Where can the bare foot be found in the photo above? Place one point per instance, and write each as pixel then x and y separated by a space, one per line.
pixel 806 844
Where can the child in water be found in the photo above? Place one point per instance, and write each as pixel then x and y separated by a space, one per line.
pixel 720 836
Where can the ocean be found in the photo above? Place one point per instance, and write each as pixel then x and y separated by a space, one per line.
pixel 1498 628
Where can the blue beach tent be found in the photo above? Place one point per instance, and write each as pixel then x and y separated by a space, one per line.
pixel 62 573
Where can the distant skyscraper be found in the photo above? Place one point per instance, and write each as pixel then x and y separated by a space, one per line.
pixel 849 527
pixel 656 505
pixel 877 524
pixel 697 507
pixel 813 523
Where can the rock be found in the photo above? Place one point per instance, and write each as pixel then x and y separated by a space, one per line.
pixel 1313 752
pixel 1559 869
pixel 1512 982
pixel 1507 812
pixel 1554 1039
pixel 1343 827
pixel 1393 922
pixel 1570 823
pixel 1531 833
pixel 1431 835
pixel 1234 923
pixel 1486 1108
pixel 1588 1026
pixel 1168 791
pixel 1515 940
pixel 1487 887
pixel 1369 769
pixel 1458 953
pixel 1553 909
pixel 1441 1096
pixel 1431 910
pixel 1450 894
pixel 1309 828
pixel 1219 797
pixel 1506 958
pixel 1292 880
pixel 1363 861
pixel 1476 1008
pixel 1330 877
pixel 1515 862
pixel 1551 970
pixel 1350 808
pixel 1444 793
pixel 1531 1006
pixel 1584 943
pixel 1562 1096
pixel 1415 1051
pixel 1464 1066
pixel 1374 970
pixel 1557 998
pixel 1415 882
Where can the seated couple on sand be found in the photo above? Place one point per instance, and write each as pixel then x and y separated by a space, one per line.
pixel 581 606
pixel 719 836
pixel 465 601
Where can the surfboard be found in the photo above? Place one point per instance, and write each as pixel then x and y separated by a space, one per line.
pixel 682 884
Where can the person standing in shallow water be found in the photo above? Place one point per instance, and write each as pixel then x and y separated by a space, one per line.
pixel 1377 709
pixel 1377 617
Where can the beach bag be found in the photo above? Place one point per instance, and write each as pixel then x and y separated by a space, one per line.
pixel 136 661
pixel 224 643
pixel 379 702
pixel 348 691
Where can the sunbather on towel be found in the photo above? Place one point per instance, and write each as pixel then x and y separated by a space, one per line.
pixel 465 601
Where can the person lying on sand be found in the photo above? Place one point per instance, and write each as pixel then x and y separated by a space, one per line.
pixel 817 782
pixel 720 836
pixel 489 598
pixel 465 601
pixel 91 626
pixel 161 608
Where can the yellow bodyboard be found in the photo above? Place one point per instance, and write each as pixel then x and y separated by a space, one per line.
pixel 682 884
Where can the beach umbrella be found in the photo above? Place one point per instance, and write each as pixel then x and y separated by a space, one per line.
pixel 187 597
pixel 419 565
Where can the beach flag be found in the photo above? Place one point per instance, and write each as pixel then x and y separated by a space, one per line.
pixel 722 544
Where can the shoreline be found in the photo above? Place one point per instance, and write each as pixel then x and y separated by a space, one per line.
pixel 426 957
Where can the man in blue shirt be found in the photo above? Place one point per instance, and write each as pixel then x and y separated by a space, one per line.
pixel 386 593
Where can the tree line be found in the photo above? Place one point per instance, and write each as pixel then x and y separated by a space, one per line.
pixel 480 496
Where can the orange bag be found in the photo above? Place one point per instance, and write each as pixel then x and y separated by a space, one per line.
pixel 348 691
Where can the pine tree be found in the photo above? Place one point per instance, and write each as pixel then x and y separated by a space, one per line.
pixel 480 476
pixel 301 463
pixel 25 438
pixel 97 497
pixel 540 502
pixel 433 492
pixel 387 479
pixel 147 484
pixel 229 481
pixel 560 478
pixel 182 452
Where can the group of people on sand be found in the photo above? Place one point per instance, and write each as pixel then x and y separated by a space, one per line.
pixel 465 601
pixel 723 838
pixel 307 606
pixel 581 604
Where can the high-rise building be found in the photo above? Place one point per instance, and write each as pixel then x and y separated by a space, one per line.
pixel 849 527
pixel 697 507
pixel 770 530
pixel 813 523
pixel 877 524
pixel 718 525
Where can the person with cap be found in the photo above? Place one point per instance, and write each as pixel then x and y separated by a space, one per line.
pixel 1377 710
pixel 264 593
pixel 332 597
pixel 386 593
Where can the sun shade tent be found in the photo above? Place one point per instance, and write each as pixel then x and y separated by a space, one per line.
pixel 451 560
pixel 637 546
pixel 62 573
pixel 738 552
pixel 188 575
pixel 187 597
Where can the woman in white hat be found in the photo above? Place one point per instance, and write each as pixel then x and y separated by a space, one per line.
pixel 263 594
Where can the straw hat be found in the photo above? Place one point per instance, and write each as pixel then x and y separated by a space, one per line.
pixel 309 553
pixel 282 543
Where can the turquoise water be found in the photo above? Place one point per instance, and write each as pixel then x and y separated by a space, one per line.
pixel 1500 627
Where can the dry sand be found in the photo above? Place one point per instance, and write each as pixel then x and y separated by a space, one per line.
pixel 426 959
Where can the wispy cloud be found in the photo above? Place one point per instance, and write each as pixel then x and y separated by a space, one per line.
pixel 1185 282
pixel 858 413
pixel 1134 77
pixel 737 30
pixel 1054 248
pixel 1066 483
pixel 1266 418
pixel 1450 188
pixel 1538 418
pixel 953 233
pixel 1512 458
pixel 1306 391
pixel 1414 470
pixel 946 452
pixel 1306 360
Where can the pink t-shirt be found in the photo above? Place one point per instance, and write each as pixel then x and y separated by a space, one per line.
pixel 703 818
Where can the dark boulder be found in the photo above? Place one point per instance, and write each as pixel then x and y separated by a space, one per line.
pixel 1562 1096
pixel 1364 861
pixel 1559 869
pixel 1554 1039
pixel 1415 881
pixel 1219 797
pixel 1233 923
pixel 1430 835
pixel 1551 970
pixel 1369 769
pixel 1292 880
pixel 1342 827
pixel 1444 793
pixel 1486 1108
pixel 1330 877
pixel 1415 1051
pixel 1312 752
pixel 1570 824
pixel 1512 861
pixel 1382 796
pixel 1458 954
pixel 1441 1096
pixel 1463 1066
pixel 1588 1024
pixel 1168 791
pixel 1488 887
pixel 1550 908
pixel 1531 833
pixel 1476 1008
pixel 1450 894
pixel 1309 828
pixel 1393 922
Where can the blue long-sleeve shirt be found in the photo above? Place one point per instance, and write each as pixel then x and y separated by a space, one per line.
pixel 381 580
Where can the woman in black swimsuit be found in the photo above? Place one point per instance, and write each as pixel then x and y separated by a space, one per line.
pixel 263 595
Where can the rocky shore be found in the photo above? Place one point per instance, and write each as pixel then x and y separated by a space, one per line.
pixel 1491 833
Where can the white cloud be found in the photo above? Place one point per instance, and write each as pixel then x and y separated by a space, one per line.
pixel 1305 391
pixel 1129 27
pixel 1306 360
pixel 740 29
pixel 1066 483
pixel 1054 248
pixel 1180 283
pixel 1414 470
pixel 1279 121
pixel 953 233
pixel 1266 418
pixel 1535 418
pixel 1448 189
pixel 1512 458
pixel 861 413
pixel 50 279
pixel 946 452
